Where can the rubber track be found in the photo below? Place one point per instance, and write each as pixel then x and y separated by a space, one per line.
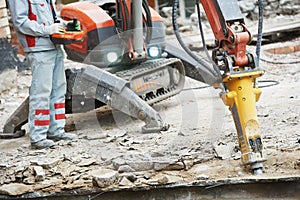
pixel 146 68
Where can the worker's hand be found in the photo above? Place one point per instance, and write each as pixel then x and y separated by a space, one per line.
pixel 57 28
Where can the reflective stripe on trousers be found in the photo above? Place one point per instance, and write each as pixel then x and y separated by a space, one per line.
pixel 47 94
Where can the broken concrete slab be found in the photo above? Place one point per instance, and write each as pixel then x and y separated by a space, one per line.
pixel 75 185
pixel 53 182
pixel 87 162
pixel 65 169
pixel 47 163
pixel 141 165
pixel 15 189
pixel 125 168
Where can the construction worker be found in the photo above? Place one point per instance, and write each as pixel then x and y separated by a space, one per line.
pixel 34 21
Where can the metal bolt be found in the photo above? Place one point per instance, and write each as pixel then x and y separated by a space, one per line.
pixel 216 42
pixel 15 120
pixel 141 115
pixel 225 32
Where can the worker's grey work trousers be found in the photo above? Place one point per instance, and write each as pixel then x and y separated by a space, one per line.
pixel 47 94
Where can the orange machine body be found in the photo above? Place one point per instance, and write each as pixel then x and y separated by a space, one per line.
pixel 98 27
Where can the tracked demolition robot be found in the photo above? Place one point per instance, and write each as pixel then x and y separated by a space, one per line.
pixel 126 65
pixel 129 66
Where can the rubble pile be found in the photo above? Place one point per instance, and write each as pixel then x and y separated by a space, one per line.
pixel 116 160
pixel 249 8
pixel 272 8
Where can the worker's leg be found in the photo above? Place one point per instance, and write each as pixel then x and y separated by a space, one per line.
pixel 57 100
pixel 40 90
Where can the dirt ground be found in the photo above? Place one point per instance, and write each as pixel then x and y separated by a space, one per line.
pixel 201 144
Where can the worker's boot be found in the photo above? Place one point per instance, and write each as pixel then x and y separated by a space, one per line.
pixel 62 136
pixel 43 144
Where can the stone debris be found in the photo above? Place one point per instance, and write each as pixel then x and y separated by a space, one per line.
pixel 29 180
pixel 159 179
pixel 158 166
pixel 118 133
pixel 174 178
pixel 74 185
pixel 125 168
pixel 53 182
pixel 87 162
pixel 130 176
pixel 202 177
pixel 95 136
pixel 162 180
pixel 15 189
pixel 125 182
pixel 140 165
pixel 224 151
pixel 104 177
pixel 272 8
pixel 39 173
pixel 200 169
pixel 47 163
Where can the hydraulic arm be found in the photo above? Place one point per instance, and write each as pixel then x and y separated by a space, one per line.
pixel 239 72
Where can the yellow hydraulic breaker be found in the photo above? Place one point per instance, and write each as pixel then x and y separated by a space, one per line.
pixel 241 96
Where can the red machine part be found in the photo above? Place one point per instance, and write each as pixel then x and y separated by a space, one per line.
pixel 91 18
pixel 68 38
pixel 232 41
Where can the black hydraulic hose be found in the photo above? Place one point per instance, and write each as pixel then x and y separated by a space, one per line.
pixel 119 12
pixel 271 83
pixel 260 27
pixel 279 62
pixel 197 58
pixel 148 13
pixel 148 21
pixel 203 40
pixel 126 21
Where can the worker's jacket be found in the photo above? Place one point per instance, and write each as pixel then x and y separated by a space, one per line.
pixel 32 20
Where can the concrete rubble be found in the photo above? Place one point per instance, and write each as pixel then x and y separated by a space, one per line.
pixel 272 8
